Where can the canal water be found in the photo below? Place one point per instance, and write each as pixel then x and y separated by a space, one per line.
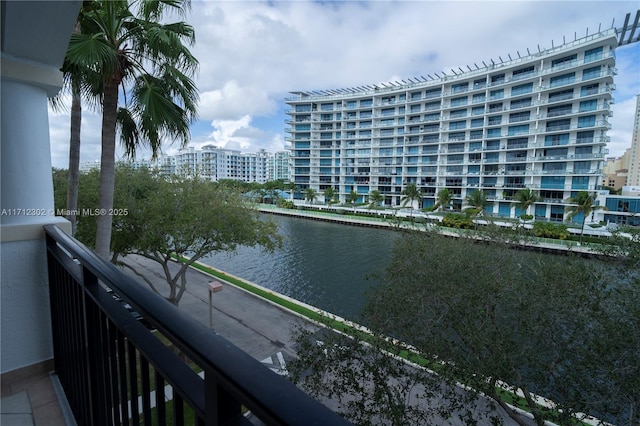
pixel 324 264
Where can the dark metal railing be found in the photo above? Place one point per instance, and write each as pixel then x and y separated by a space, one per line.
pixel 115 370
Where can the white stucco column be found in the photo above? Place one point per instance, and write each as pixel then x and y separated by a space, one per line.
pixel 26 204
pixel 27 188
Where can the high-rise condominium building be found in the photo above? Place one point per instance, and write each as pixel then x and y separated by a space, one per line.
pixel 537 122
pixel 633 178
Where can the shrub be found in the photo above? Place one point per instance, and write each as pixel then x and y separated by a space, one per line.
pixel 457 220
pixel 550 230
pixel 286 204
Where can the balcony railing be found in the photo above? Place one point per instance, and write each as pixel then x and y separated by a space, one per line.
pixel 115 371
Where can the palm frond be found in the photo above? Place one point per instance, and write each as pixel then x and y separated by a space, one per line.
pixel 129 136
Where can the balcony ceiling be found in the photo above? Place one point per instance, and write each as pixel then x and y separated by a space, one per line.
pixel 38 31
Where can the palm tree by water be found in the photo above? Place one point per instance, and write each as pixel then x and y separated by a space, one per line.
pixel 330 195
pixel 375 198
pixel 151 63
pixel 581 203
pixel 477 200
pixel 352 197
pixel 310 195
pixel 444 198
pixel 410 195
pixel 525 198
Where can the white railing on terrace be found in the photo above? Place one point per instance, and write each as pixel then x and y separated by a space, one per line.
pixel 378 90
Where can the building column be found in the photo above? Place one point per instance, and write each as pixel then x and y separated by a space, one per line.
pixel 26 204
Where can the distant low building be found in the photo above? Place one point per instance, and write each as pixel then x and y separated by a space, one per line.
pixel 217 163
pixel 616 171
pixel 621 209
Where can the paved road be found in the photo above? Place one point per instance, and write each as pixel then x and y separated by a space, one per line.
pixel 261 329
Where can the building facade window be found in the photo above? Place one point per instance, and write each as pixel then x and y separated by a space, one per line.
pixel 562 80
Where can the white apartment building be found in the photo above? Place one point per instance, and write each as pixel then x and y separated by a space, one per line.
pixel 539 121
pixel 633 178
pixel 217 163
pixel 279 164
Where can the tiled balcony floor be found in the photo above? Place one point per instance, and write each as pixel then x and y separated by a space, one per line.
pixel 29 398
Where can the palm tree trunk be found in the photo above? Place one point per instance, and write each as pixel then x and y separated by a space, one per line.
pixel 74 158
pixel 107 168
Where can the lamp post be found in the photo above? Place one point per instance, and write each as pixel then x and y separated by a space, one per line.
pixel 214 287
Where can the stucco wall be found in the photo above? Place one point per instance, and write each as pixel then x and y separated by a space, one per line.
pixel 25 327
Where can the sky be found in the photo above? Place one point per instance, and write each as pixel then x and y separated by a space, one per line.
pixel 253 54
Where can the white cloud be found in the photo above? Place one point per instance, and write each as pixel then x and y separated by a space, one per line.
pixel 241 135
pixel 253 53
pixel 90 145
pixel 233 101
pixel 621 132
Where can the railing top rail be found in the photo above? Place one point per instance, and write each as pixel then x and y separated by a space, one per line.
pixel 269 396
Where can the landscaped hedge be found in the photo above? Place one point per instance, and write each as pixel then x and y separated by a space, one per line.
pixel 550 230
pixel 457 220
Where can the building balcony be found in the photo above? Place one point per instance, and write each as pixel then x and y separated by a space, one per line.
pixel 114 369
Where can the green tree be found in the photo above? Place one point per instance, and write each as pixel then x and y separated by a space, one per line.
pixel 272 189
pixel 477 201
pixel 310 195
pixel 168 220
pixel 292 188
pixel 375 198
pixel 330 195
pixel 371 387
pixel 410 195
pixel 525 198
pixel 352 197
pixel 490 318
pixel 150 62
pixel 444 198
pixel 582 203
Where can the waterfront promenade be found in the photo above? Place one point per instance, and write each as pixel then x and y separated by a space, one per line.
pixel 385 219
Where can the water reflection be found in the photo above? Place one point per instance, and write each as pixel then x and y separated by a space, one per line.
pixel 323 264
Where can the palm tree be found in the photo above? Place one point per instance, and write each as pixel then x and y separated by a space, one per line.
pixel 525 198
pixel 410 195
pixel 477 200
pixel 310 195
pixel 151 64
pixel 330 195
pixel 80 83
pixel 444 198
pixel 581 203
pixel 352 197
pixel 375 198
pixel 291 187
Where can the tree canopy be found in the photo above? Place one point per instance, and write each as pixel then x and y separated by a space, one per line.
pixel 169 220
pixel 558 326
